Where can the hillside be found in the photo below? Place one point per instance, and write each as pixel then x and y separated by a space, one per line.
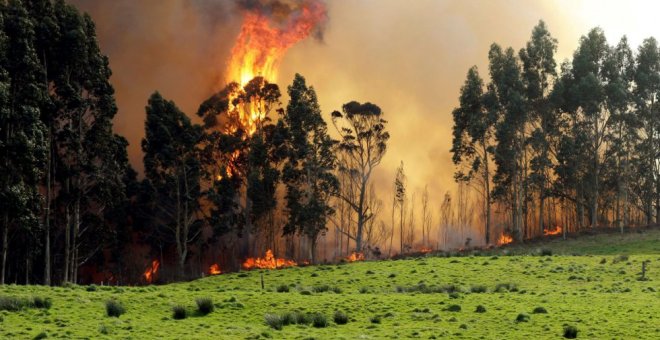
pixel 592 283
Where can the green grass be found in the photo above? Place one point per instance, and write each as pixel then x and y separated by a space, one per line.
pixel 604 300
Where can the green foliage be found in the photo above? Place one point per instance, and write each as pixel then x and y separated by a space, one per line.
pixel 319 320
pixel 274 321
pixel 570 332
pixel 204 305
pixel 283 288
pixel 454 308
pixel 480 309
pixel 114 308
pixel 179 312
pixel 540 310
pixel 522 317
pixel 340 318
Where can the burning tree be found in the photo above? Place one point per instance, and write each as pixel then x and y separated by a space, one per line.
pixel 362 144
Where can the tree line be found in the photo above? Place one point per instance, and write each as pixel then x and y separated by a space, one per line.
pixel 577 146
pixel 252 173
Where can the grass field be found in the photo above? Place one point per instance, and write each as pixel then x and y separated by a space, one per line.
pixel 592 283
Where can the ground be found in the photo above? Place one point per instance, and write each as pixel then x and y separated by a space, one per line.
pixel 592 283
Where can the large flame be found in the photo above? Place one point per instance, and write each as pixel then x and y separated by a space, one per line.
pixel 557 231
pixel 267 262
pixel 151 271
pixel 504 239
pixel 214 269
pixel 355 256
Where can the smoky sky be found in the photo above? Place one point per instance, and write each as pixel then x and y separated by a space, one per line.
pixel 408 57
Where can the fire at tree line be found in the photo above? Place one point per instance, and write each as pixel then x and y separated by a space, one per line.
pixel 259 183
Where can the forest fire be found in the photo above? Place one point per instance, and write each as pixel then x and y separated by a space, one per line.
pixel 214 269
pixel 355 256
pixel 267 32
pixel 504 239
pixel 557 231
pixel 267 262
pixel 151 271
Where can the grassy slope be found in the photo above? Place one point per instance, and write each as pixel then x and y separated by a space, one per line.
pixel 604 300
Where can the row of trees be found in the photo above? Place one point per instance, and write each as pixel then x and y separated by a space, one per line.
pixel 586 138
pixel 252 170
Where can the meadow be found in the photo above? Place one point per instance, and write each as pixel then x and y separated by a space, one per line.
pixel 591 284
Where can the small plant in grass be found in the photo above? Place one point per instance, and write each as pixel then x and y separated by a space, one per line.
pixel 44 303
pixel 40 336
pixel 92 288
pixel 540 310
pixel 340 318
pixel 305 292
pixel 506 287
pixel 321 289
pixel 319 320
pixel 570 332
pixel 480 309
pixel 274 321
pixel 375 319
pixel 454 308
pixel 522 317
pixel 282 288
pixel 179 312
pixel 114 308
pixel 620 258
pixel 336 290
pixel 364 290
pixel 478 289
pixel 546 252
pixel 103 329
pixel 204 305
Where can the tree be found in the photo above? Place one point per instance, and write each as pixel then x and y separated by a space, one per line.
pixel 309 165
pixel 473 138
pixel 538 73
pixel 173 169
pixel 363 141
pixel 21 131
pixel 400 199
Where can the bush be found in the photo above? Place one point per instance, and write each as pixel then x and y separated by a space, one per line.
pixel 522 317
pixel 282 289
pixel 478 289
pixel 480 309
pixel 321 289
pixel 364 290
pixel 620 258
pixel 40 336
pixel 274 321
pixel 92 288
pixel 319 320
pixel 570 332
pixel 179 312
pixel 114 308
pixel 336 290
pixel 340 318
pixel 540 310
pixel 506 287
pixel 44 303
pixel 454 308
pixel 13 303
pixel 375 319
pixel 305 292
pixel 546 252
pixel 204 305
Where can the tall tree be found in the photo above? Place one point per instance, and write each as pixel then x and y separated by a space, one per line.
pixel 173 168
pixel 21 131
pixel 473 139
pixel 363 141
pixel 309 166
pixel 538 74
pixel 400 199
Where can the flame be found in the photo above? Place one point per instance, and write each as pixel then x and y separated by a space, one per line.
pixel 268 262
pixel 261 43
pixel 355 256
pixel 425 250
pixel 151 271
pixel 504 239
pixel 557 231
pixel 214 269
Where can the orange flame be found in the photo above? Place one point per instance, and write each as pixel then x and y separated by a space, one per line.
pixel 151 271
pixel 425 250
pixel 268 262
pixel 504 239
pixel 214 269
pixel 557 231
pixel 355 256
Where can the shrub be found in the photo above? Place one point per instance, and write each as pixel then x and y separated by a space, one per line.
pixel 375 319
pixel 336 290
pixel 546 252
pixel 13 303
pixel 44 303
pixel 506 287
pixel 522 317
pixel 480 309
pixel 92 288
pixel 274 321
pixel 282 288
pixel 114 308
pixel 305 292
pixel 364 290
pixel 321 289
pixel 204 305
pixel 478 289
pixel 179 312
pixel 570 332
pixel 620 258
pixel 454 308
pixel 340 318
pixel 319 320
pixel 540 310
pixel 454 295
pixel 103 329
pixel 40 336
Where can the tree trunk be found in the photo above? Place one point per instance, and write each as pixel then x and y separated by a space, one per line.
pixel 67 240
pixel 47 274
pixel 5 245
pixel 487 192
pixel 361 216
